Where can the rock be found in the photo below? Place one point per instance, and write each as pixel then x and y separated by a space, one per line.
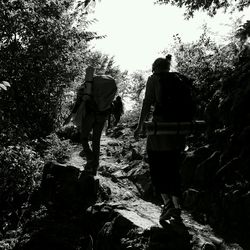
pixel 208 246
pixel 225 172
pixel 117 134
pixel 64 188
pixel 136 239
pixel 191 198
pixel 161 238
pixel 88 188
pixel 104 192
pixel 218 242
pixel 114 143
pixel 99 214
pixel 205 172
pixel 140 176
pixel 136 155
pixel 189 164
pixel 109 237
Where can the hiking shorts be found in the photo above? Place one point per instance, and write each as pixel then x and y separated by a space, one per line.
pixel 165 171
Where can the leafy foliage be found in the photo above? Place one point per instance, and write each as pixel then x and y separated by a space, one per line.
pixel 103 63
pixel 56 149
pixel 39 56
pixel 20 173
pixel 244 31
pixel 139 83
pixel 207 63
pixel 211 6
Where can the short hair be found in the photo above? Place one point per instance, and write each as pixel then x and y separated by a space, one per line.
pixel 162 64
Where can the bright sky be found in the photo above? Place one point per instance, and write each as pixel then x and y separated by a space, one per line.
pixel 138 30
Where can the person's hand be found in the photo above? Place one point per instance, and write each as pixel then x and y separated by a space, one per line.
pixel 137 132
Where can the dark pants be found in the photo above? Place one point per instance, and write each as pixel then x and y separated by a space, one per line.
pixel 94 122
pixel 165 171
pixel 117 119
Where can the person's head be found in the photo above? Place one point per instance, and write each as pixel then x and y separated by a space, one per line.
pixel 118 98
pixel 161 64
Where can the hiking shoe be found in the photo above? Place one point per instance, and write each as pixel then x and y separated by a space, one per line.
pixel 169 212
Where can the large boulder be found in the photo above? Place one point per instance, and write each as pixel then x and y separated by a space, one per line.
pixel 65 187
pixel 205 172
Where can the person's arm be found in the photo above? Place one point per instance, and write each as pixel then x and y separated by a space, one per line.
pixel 148 100
pixel 83 93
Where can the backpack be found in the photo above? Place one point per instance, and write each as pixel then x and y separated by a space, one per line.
pixel 102 94
pixel 175 103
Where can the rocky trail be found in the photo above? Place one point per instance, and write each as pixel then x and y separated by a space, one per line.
pixel 124 197
pixel 111 211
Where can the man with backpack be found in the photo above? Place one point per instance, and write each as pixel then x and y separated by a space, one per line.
pixel 169 93
pixel 91 111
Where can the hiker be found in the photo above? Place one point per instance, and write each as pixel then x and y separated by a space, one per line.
pixel 117 109
pixel 116 112
pixel 164 150
pixel 96 96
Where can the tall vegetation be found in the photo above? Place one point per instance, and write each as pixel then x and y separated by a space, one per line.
pixel 43 48
pixel 41 51
pixel 207 63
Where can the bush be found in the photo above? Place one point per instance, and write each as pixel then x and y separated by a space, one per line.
pixel 57 149
pixel 20 174
pixel 20 169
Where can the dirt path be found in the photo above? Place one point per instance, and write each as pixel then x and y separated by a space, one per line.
pixel 124 195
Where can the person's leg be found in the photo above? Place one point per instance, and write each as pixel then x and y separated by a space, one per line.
pixel 97 132
pixel 176 177
pixel 117 119
pixel 86 128
pixel 161 172
pixel 165 178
